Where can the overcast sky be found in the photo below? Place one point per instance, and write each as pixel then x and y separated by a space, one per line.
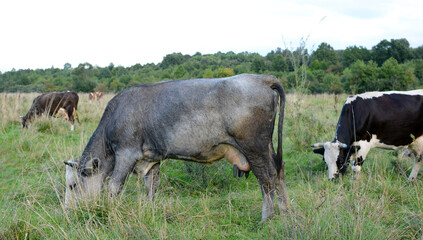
pixel 46 33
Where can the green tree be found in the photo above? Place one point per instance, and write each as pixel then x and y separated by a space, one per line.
pixel 417 53
pixel 105 73
pixel 279 63
pixel 360 77
pixel 179 72
pixel 119 71
pixel 277 60
pixel 352 54
pixel 258 65
pixel 101 87
pixel 395 76
pixel 67 66
pixel 125 79
pixel 83 78
pixel 315 78
pixel 417 66
pixel 116 85
pixel 208 73
pixel 173 59
pixel 224 72
pixel 380 52
pixel 325 53
pixel 316 65
pixel 332 83
pixel 398 49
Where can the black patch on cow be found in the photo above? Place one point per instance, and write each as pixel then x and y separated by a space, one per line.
pixel 359 161
pixel 320 151
pixel 343 160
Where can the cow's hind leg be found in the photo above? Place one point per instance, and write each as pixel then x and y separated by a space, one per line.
pixel 265 171
pixel 70 113
pixel 416 167
pixel 417 150
pixel 282 192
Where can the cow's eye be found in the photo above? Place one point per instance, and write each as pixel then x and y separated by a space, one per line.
pixel 84 173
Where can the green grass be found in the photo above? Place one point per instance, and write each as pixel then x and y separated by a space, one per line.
pixel 202 202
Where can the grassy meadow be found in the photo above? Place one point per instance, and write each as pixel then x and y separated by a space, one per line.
pixel 203 202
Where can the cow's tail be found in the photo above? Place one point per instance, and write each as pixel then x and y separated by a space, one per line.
pixel 278 87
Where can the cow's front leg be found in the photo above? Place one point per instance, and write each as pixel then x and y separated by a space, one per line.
pixel 416 167
pixel 359 158
pixel 268 193
pixel 124 164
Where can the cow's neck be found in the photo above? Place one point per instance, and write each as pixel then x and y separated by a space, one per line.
pixel 97 148
pixel 346 126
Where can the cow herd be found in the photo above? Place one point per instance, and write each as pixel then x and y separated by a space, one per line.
pixel 205 120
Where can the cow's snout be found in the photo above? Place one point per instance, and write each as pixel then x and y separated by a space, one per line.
pixel 334 177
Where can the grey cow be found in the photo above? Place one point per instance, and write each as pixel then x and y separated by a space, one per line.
pixel 200 120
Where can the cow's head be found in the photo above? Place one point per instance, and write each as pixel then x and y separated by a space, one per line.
pixel 336 155
pixel 82 182
pixel 24 123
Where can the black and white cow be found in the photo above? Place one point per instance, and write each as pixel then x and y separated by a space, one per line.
pixel 199 120
pixel 388 120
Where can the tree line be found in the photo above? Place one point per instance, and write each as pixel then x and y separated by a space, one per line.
pixel 389 65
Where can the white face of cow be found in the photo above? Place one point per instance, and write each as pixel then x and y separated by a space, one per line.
pixel 85 186
pixel 331 154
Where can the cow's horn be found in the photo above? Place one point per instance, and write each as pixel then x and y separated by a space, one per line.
pixel 318 145
pixel 71 164
pixel 21 116
pixel 343 145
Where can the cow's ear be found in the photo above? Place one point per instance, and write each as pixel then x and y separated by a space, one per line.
pixel 319 150
pixel 71 163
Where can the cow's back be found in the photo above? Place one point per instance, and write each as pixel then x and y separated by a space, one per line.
pixel 183 117
pixel 393 118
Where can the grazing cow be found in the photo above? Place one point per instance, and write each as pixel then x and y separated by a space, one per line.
pixel 199 120
pixel 91 96
pixel 388 120
pixel 95 96
pixel 50 103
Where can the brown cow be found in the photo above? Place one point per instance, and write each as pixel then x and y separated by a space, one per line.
pixel 95 96
pixel 50 103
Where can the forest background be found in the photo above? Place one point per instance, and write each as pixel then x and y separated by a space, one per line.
pixel 389 65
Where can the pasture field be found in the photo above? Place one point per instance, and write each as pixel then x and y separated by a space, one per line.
pixel 203 202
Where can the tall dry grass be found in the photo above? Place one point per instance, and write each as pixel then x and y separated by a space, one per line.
pixel 206 203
